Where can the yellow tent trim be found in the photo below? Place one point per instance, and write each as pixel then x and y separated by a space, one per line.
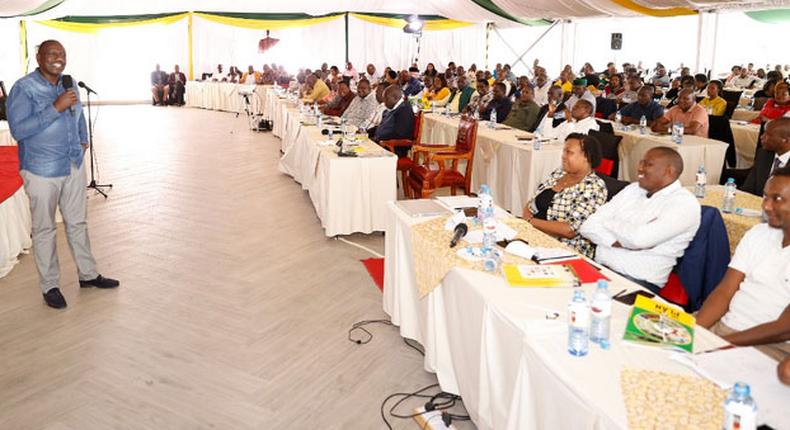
pixel 191 48
pixel 265 24
pixel 440 24
pixel 23 45
pixel 80 27
pixel 661 13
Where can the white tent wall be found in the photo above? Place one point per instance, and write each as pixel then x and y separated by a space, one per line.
pixel 216 43
pixel 117 62
pixel 389 46
pixel 10 54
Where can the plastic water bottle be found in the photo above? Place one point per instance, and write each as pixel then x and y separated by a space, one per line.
pixel 485 206
pixel 677 132
pixel 489 233
pixel 330 133
pixel 740 411
pixel 728 205
pixel 492 260
pixel 702 180
pixel 319 121
pixel 601 314
pixel 618 120
pixel 492 119
pixel 642 124
pixel 578 324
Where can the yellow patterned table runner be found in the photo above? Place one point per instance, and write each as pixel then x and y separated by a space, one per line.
pixel 736 225
pixel 433 257
pixel 658 400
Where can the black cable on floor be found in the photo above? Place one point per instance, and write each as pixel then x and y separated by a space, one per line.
pixel 368 336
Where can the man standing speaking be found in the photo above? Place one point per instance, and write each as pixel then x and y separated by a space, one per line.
pixel 45 117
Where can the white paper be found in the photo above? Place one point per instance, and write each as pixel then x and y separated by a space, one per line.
pixel 759 371
pixel 458 202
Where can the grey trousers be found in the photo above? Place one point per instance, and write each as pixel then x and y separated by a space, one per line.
pixel 46 194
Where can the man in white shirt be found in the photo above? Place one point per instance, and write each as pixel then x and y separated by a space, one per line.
pixel 362 109
pixel 744 80
pixel 580 92
pixel 372 75
pixel 582 121
pixel 751 305
pixel 541 89
pixel 648 225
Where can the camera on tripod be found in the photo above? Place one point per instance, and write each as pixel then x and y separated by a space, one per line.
pixel 254 120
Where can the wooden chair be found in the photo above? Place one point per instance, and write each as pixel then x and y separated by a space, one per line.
pixel 425 180
pixel 405 163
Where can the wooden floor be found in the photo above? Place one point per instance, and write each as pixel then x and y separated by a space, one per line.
pixel 233 308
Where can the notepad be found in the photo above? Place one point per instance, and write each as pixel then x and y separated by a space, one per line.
pixel 585 271
pixel 532 275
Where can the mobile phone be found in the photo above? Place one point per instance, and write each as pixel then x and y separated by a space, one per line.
pixel 630 298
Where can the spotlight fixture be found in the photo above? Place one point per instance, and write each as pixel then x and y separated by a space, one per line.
pixel 413 25
pixel 266 43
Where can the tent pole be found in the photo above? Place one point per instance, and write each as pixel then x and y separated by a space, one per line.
pixel 562 45
pixel 699 41
pixel 190 48
pixel 489 26
pixel 23 45
pixel 520 58
pixel 715 43
pixel 346 20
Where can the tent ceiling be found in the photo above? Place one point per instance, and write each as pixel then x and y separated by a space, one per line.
pixel 463 10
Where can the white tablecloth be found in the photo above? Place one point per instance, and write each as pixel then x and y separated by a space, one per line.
pixel 225 97
pixel 493 345
pixel 744 114
pixel 349 194
pixel 694 150
pixel 15 221
pixel 511 168
pixel 745 136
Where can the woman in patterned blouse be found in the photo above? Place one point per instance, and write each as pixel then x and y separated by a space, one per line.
pixel 572 193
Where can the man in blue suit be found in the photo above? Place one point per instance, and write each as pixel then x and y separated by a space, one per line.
pixel 397 122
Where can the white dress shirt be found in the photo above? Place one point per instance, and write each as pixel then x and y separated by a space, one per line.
pixel 743 82
pixel 653 231
pixel 542 94
pixel 565 128
pixel 586 96
pixel 765 290
pixel 361 111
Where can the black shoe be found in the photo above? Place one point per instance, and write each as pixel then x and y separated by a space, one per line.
pixel 54 299
pixel 100 282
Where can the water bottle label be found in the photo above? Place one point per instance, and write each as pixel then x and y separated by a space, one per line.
pixel 579 317
pixel 740 417
pixel 701 178
pixel 601 309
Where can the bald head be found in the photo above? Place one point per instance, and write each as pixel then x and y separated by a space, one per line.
pixel 776 136
pixel 392 95
pixel 660 167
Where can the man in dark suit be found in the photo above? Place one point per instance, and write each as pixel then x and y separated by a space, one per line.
pixel 773 154
pixel 177 84
pixel 159 86
pixel 397 122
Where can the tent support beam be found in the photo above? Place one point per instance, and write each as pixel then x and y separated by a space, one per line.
pixel 715 40
pixel 190 49
pixel 345 18
pixel 699 42
pixel 520 58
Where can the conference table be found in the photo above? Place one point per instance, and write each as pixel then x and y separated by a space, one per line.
pixel 224 96
pixel 349 194
pixel 745 135
pixel 504 159
pixel 503 349
pixel 736 225
pixel 15 220
pixel 743 114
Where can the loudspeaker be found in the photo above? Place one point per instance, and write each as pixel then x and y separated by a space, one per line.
pixel 617 41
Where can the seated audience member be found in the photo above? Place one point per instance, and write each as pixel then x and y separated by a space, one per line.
pixel 219 75
pixel 580 92
pixel 776 143
pixel 572 193
pixel 177 82
pixel 439 93
pixel 611 70
pixel 686 82
pixel 630 95
pixel 410 85
pixel 644 105
pixel 397 122
pixel 615 87
pixel 479 103
pixel 427 86
pixel 660 79
pixel 350 73
pixel 555 103
pixel 372 75
pixel 160 87
pixel 381 107
pixel 712 103
pixel 643 230
pixel 233 75
pixel 701 85
pixel 250 77
pixel 767 92
pixel 523 82
pixel 541 89
pixel 744 80
pixel 674 89
pixel 581 121
pixel 342 100
pixel 751 304
pixel 316 89
pixel 692 115
pixel 524 112
pixel 735 72
pixel 590 77
pixel 461 97
pixel 777 106
pixel 499 102
pixel 430 70
pixel 564 81
pixel 362 108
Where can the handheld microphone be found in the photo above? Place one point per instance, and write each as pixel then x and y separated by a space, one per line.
pixel 68 84
pixel 460 231
pixel 87 88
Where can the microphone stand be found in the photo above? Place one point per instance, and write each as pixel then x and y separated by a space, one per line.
pixel 93 184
